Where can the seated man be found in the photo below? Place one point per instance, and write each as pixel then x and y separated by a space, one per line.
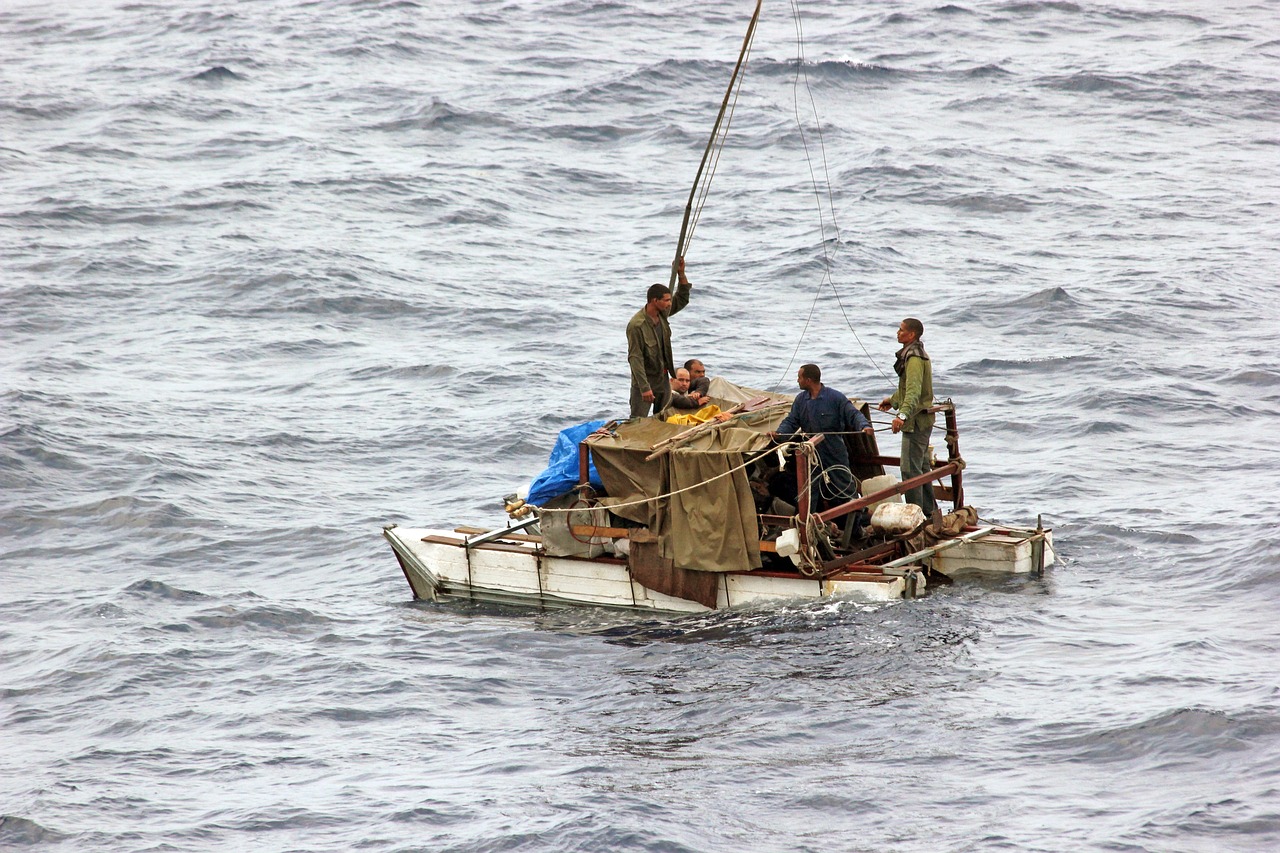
pixel 698 381
pixel 819 409
pixel 680 396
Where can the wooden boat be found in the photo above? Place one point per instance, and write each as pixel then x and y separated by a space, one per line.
pixel 472 564
pixel 687 519
pixel 625 548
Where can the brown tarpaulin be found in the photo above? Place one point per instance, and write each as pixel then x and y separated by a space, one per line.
pixel 657 573
pixel 712 527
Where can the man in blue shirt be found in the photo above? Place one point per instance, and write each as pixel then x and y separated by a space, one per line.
pixel 816 409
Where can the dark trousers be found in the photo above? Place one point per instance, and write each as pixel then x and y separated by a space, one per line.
pixel 661 397
pixel 915 461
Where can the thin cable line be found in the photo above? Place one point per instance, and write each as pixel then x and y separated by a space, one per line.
pixel 827 279
pixel 697 485
pixel 719 148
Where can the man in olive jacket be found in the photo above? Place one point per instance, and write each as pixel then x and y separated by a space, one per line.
pixel 913 398
pixel 649 346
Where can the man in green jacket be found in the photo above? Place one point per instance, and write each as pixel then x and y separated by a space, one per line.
pixel 649 346
pixel 913 398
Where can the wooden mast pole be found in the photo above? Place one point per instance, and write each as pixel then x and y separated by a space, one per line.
pixel 715 131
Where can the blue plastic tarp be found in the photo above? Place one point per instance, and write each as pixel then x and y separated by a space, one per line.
pixel 561 474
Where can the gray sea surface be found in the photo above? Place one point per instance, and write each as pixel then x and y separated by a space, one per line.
pixel 276 273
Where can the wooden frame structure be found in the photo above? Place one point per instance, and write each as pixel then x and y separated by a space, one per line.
pixel 952 468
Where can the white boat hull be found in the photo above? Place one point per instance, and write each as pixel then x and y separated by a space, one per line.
pixel 1004 551
pixel 510 572
pixel 438 565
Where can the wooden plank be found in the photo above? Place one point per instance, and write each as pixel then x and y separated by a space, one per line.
pixel 588 582
pixel 941 546
pixel 879 550
pixel 435 539
pixel 504 570
pixel 514 537
pixel 891 461
pixel 573 568
pixel 448 564
pixel 863 577
pixel 598 558
pixel 865 590
pixel 756 586
pixel 592 531
pixel 515 572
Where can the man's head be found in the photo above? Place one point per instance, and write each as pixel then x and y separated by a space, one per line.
pixel 809 377
pixel 681 382
pixel 910 330
pixel 659 298
pixel 695 368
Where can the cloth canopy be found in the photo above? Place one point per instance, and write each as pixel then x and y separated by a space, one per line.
pixel 711 527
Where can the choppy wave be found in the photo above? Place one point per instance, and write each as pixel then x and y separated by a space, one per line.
pixel 280 273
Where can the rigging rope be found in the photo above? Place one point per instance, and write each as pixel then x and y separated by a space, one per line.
pixel 666 495
pixel 715 148
pixel 826 278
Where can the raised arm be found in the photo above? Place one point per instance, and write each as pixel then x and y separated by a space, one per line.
pixel 680 298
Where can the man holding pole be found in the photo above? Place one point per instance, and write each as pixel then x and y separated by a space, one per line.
pixel 649 345
pixel 912 400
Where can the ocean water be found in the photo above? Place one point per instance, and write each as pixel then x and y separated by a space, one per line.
pixel 276 273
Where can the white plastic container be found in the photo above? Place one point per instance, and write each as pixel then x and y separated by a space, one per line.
pixel 788 544
pixel 876 484
pixel 896 518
